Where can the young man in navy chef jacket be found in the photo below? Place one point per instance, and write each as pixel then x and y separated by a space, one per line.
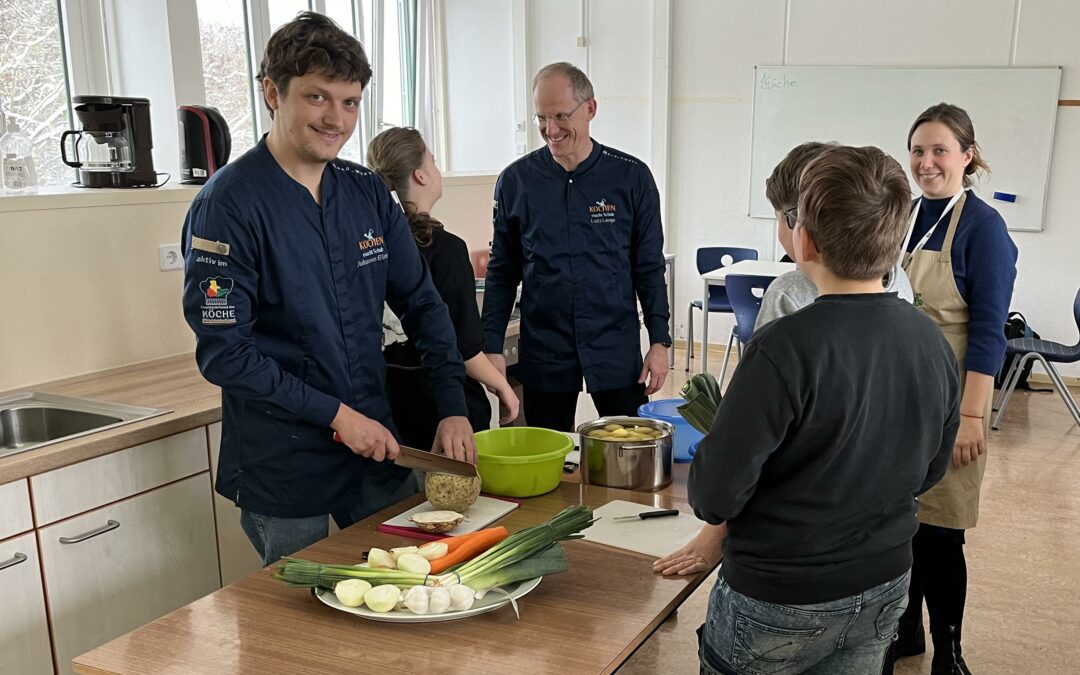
pixel 836 418
pixel 578 224
pixel 290 254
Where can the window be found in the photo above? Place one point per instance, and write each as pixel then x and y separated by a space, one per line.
pixel 226 71
pixel 34 81
pixel 233 34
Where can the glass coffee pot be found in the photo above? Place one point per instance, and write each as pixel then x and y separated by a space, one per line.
pixel 98 150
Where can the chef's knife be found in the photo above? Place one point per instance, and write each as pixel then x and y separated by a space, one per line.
pixel 644 515
pixel 411 458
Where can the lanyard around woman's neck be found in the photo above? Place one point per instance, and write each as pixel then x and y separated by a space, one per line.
pixel 929 233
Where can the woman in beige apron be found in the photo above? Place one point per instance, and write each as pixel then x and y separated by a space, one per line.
pixel 943 156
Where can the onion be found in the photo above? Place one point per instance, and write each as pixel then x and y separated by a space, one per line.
pixel 351 592
pixel 382 598
pixel 414 563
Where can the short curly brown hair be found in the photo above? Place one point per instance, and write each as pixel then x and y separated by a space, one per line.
pixel 313 43
pixel 854 202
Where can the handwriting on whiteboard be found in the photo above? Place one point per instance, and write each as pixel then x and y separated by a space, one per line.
pixel 777 82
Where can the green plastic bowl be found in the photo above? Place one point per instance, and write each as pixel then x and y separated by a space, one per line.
pixel 521 461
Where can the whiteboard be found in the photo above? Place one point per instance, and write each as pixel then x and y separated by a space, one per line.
pixel 1013 109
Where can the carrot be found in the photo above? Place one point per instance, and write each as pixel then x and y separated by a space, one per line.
pixel 467 546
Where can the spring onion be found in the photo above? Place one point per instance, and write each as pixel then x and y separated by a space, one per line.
pixel 527 554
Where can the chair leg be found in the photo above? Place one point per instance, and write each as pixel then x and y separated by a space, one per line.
pixel 1010 385
pixel 689 335
pixel 727 354
pixel 1004 382
pixel 1062 390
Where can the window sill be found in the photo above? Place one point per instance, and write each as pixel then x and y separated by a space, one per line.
pixel 71 197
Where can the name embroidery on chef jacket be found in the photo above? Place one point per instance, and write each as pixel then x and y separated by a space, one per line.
pixel 602 212
pixel 372 249
pixel 217 307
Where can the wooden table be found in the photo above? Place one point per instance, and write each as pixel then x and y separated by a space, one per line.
pixel 765 268
pixel 587 620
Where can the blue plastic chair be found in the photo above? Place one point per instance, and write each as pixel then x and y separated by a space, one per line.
pixel 1047 353
pixel 711 258
pixel 744 292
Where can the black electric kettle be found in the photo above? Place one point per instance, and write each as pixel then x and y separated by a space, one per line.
pixel 205 142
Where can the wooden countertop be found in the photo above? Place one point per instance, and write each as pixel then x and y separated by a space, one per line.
pixel 587 620
pixel 172 383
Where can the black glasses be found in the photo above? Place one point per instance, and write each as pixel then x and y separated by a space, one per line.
pixel 791 216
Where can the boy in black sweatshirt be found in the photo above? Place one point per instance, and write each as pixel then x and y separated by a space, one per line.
pixel 835 419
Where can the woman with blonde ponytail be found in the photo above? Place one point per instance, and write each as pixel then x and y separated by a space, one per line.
pixel 401 158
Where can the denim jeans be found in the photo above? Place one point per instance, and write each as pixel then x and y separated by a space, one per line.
pixel 274 537
pixel 843 637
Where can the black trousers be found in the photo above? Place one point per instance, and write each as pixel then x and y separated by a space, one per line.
pixel 938 574
pixel 556 409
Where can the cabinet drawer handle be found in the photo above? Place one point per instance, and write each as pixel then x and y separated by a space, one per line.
pixel 19 557
pixel 109 525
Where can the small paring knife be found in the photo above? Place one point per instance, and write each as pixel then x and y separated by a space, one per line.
pixel 644 515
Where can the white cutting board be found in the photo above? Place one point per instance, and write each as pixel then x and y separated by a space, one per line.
pixel 484 512
pixel 654 536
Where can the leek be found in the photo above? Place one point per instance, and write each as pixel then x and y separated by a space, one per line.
pixel 702 394
pixel 524 544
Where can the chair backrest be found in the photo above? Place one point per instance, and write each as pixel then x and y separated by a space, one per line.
pixel 1076 312
pixel 744 293
pixel 711 258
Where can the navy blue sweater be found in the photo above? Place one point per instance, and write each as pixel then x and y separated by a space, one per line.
pixel 285 298
pixel 984 266
pixel 587 245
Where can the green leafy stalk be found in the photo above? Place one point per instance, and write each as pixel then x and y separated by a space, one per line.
pixel 702 394
pixel 521 545
pixel 298 572
pixel 551 560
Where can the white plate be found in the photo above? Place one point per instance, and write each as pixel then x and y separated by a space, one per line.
pixel 491 601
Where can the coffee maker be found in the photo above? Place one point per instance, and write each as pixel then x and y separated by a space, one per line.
pixel 113 148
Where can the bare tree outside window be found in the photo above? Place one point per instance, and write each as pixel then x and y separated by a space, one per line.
pixel 225 68
pixel 33 82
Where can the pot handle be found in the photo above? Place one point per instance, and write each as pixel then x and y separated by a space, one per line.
pixel 654 446
pixel 75 146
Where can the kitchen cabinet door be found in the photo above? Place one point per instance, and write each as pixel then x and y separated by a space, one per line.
pixel 24 627
pixel 116 568
pixel 15 515
pixel 238 556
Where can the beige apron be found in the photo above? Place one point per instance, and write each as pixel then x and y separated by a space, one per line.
pixel 954 502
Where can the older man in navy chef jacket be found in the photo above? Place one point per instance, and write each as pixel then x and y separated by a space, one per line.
pixel 290 253
pixel 578 224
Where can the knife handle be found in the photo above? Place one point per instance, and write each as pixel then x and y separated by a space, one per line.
pixel 659 514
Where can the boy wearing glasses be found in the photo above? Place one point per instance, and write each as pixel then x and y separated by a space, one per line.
pixel 791 292
pixel 578 225
pixel 836 418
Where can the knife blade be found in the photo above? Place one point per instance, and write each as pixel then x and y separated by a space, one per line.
pixel 644 515
pixel 411 458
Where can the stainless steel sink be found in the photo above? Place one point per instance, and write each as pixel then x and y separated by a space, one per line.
pixel 32 419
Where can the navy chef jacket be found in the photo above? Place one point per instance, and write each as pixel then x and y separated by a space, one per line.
pixel 286 301
pixel 583 244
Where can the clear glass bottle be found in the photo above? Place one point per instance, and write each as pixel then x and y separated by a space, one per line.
pixel 19 176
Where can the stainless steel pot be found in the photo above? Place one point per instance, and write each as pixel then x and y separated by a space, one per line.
pixel 631 465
